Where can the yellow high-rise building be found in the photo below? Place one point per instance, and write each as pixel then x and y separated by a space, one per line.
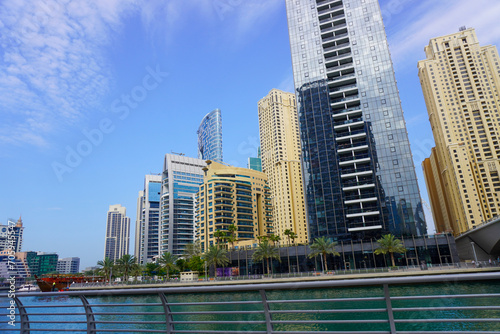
pixel 280 153
pixel 233 196
pixel 461 81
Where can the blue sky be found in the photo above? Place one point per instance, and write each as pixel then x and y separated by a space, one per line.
pixel 94 93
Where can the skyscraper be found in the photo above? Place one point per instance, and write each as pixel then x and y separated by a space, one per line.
pixel 117 233
pixel 11 235
pixel 233 196
pixel 210 136
pixel 181 179
pixel 255 163
pixel 461 82
pixel 358 171
pixel 280 141
pixel 148 219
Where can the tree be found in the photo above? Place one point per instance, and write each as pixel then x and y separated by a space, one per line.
pixel 152 269
pixel 106 267
pixel 137 270
pixel 181 264
pixel 275 239
pixel 293 236
pixel 196 264
pixel 323 246
pixel 219 235
pixel 216 256
pixel 192 249
pixel 266 251
pixel 287 233
pixel 389 244
pixel 167 262
pixel 125 264
pixel 231 238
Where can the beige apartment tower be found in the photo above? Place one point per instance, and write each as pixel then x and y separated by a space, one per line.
pixel 461 80
pixel 233 196
pixel 280 153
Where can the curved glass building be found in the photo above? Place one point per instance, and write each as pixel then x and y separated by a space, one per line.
pixel 210 136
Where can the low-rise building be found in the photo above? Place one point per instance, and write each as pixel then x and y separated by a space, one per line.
pixel 68 265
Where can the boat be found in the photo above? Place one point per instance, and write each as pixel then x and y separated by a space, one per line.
pixel 48 283
pixel 27 288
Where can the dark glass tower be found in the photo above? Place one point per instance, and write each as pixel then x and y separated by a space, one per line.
pixel 210 136
pixel 358 171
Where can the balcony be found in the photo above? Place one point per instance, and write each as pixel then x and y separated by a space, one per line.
pixel 361 200
pixel 357 172
pixel 361 185
pixel 349 123
pixel 353 148
pixel 361 214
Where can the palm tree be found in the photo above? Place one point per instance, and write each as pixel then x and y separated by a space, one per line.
pixel 106 268
pixel 216 256
pixel 125 264
pixel 192 249
pixel 389 244
pixel 137 270
pixel 287 233
pixel 219 235
pixel 294 236
pixel 167 262
pixel 231 238
pixel 276 241
pixel 274 238
pixel 266 251
pixel 323 246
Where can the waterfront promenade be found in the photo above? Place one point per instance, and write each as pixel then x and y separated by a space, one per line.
pixel 298 277
pixel 427 301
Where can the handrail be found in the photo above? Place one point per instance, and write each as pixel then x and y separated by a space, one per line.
pixel 262 308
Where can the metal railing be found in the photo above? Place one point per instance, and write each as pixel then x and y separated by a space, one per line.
pixel 377 305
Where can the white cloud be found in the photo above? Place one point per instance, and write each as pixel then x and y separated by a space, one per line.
pixel 52 69
pixel 428 19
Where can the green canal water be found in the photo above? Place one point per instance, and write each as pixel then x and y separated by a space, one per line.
pixel 314 318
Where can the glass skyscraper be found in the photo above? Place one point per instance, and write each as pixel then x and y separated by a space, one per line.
pixel 210 136
pixel 148 220
pixel 181 179
pixel 358 171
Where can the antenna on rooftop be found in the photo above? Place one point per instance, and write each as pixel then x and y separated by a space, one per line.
pixel 181 154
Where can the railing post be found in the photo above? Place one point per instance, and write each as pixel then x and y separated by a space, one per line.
pixel 91 328
pixel 390 313
pixel 265 305
pixel 168 313
pixel 25 322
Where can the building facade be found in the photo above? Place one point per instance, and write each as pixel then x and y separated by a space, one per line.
pixel 233 196
pixel 11 235
pixel 117 233
pixel 358 171
pixel 68 265
pixel 16 267
pixel 461 82
pixel 181 179
pixel 148 220
pixel 255 163
pixel 40 263
pixel 210 136
pixel 280 142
